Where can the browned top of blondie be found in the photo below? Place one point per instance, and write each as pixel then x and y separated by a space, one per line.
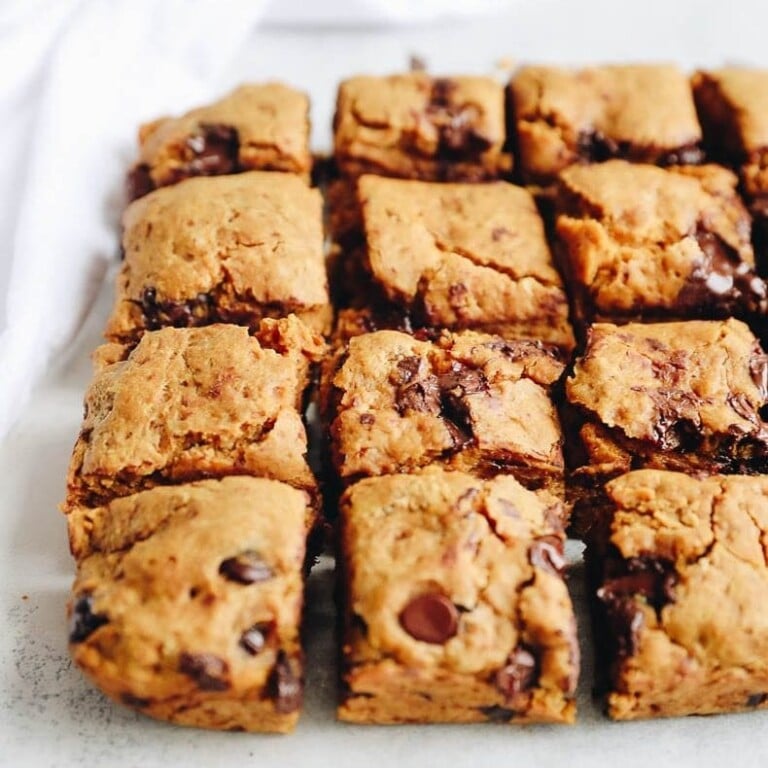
pixel 642 112
pixel 645 240
pixel 230 249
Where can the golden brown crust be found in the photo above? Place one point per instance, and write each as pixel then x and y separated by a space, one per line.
pixel 418 127
pixel 190 403
pixel 682 590
pixel 474 545
pixel 226 249
pixel 163 621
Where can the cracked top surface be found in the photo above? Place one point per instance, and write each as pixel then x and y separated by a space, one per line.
pixel 662 381
pixel 170 586
pixel 195 402
pixel 690 580
pixel 271 121
pixel 564 116
pixel 416 126
pixel 237 247
pixel 468 400
pixel 478 547
pixel 465 255
pixel 646 240
pixel 733 103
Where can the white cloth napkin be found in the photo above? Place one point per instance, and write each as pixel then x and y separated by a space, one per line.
pixel 78 78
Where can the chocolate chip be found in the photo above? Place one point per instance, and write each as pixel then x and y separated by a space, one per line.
pixel 254 638
pixel 596 147
pixel 139 182
pixel 246 568
pixel 625 620
pixel 178 314
pixel 367 419
pixel 408 368
pixel 206 669
pixel 431 618
pixel 83 621
pixel 546 552
pixel 756 699
pixel 519 674
pixel 688 154
pixel 497 714
pixel 283 686
pixel 214 150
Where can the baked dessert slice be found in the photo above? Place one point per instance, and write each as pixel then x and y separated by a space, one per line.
pixel 256 127
pixel 230 249
pixel 454 605
pixel 678 573
pixel 638 242
pixel 192 403
pixel 415 126
pixel 463 256
pixel 688 397
pixel 639 112
pixel 188 600
pixel 467 401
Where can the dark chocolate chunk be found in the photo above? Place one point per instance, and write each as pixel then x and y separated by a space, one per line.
pixel 83 620
pixel 246 568
pixel 408 368
pixel 206 669
pixel 756 699
pixel 496 714
pixel 367 419
pixel 688 154
pixel 284 686
pixel 431 618
pixel 596 147
pixel 422 395
pixel 139 182
pixel 624 620
pixel 546 552
pixel 254 638
pixel 178 314
pixel 213 149
pixel 519 674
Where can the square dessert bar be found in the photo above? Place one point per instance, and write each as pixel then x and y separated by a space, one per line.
pixel 647 243
pixel 415 126
pixel 255 128
pixel 188 600
pixel 682 396
pixel 464 256
pixel 232 249
pixel 454 605
pixel 191 403
pixel 468 401
pixel 643 113
pixel 679 577
pixel 733 109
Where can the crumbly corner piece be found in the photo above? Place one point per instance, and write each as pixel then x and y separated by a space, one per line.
pixel 638 242
pixel 415 126
pixel 468 401
pixel 189 403
pixel 454 608
pixel 687 397
pixel 639 112
pixel 464 256
pixel 733 109
pixel 256 127
pixel 231 249
pixel 678 569
pixel 188 599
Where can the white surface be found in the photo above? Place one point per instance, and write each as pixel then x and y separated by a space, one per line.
pixel 49 716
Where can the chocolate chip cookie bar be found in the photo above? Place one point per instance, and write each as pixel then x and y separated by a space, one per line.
pixel 454 606
pixel 415 126
pixel 733 109
pixel 467 401
pixel 188 599
pixel 638 242
pixel 262 127
pixel 642 113
pixel 678 566
pixel 232 249
pixel 688 397
pixel 192 403
pixel 464 256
